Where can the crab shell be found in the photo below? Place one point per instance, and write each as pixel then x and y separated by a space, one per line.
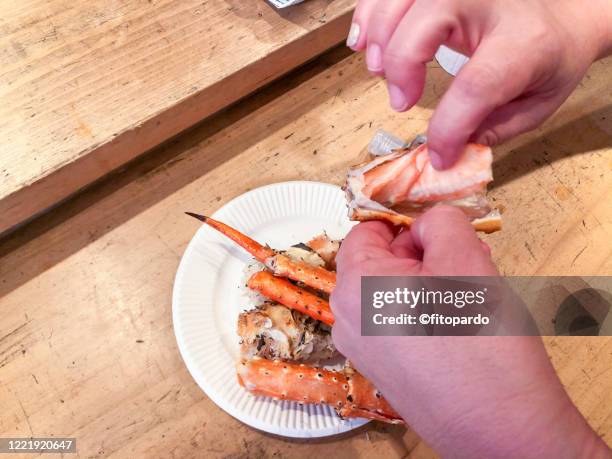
pixel 349 393
pixel 407 179
pixel 280 290
pixel 273 331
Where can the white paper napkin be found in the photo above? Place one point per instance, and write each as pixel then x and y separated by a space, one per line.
pixel 284 3
pixel 450 60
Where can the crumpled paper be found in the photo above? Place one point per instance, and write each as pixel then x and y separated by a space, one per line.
pixel 384 143
pixel 284 3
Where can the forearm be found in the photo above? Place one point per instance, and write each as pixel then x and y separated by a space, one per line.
pixel 481 396
pixel 516 429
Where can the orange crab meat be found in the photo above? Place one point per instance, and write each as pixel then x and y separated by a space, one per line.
pixel 400 186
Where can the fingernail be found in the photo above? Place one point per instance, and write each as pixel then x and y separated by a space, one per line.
pixel 488 138
pixel 436 160
pixel 353 35
pixel 397 98
pixel 374 58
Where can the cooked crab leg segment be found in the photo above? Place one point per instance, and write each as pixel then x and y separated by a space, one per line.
pixel 402 185
pixel 284 292
pixel 260 252
pixel 313 276
pixel 291 381
pixel 305 384
pixel 365 401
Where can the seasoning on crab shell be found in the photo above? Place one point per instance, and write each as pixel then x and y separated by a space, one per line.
pixel 317 385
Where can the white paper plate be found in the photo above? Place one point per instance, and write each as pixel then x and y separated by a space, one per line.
pixel 450 60
pixel 208 297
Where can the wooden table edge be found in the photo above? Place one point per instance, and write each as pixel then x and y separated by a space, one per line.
pixel 54 186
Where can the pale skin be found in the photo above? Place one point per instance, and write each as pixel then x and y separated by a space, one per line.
pixel 527 56
pixel 468 397
pixel 494 397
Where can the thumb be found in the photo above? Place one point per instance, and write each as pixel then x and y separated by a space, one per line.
pixel 450 245
pixel 365 241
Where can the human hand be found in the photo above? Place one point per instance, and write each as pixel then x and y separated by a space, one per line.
pixel 527 56
pixel 465 396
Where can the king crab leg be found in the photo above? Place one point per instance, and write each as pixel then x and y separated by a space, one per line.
pixel 284 292
pixel 281 265
pixel 349 393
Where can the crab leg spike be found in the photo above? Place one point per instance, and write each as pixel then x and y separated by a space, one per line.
pixel 350 394
pixel 313 276
pixel 260 252
pixel 284 292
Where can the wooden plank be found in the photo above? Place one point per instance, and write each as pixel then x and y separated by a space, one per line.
pixel 87 86
pixel 85 291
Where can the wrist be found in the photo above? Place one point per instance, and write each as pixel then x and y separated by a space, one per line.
pixel 587 28
pixel 595 447
pixel 556 428
pixel 601 11
pixel 573 437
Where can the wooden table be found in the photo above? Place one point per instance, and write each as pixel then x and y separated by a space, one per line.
pixel 86 342
pixel 87 86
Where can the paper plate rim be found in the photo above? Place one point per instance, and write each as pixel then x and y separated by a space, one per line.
pixel 189 360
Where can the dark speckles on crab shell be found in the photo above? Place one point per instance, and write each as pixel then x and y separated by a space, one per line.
pixel 303 246
pixel 261 343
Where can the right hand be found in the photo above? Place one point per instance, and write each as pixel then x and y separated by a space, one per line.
pixel 467 396
pixel 527 56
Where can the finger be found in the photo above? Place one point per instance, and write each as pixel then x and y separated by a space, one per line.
pixel 494 76
pixel 415 41
pixel 403 246
pixel 358 33
pixel 383 21
pixel 486 247
pixel 450 245
pixel 516 118
pixel 365 241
